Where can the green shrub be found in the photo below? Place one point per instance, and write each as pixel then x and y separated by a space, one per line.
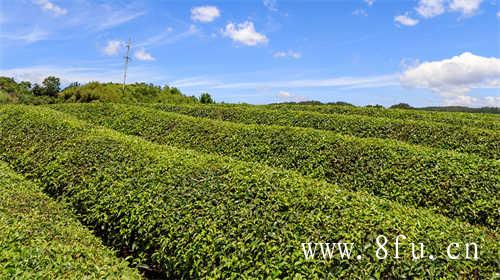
pixel 41 240
pixel 488 121
pixel 4 97
pixel 456 185
pixel 112 92
pixel 188 215
pixel 482 142
pixel 205 98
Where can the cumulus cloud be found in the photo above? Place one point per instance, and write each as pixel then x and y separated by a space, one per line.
pixel 406 20
pixel 142 55
pixel 287 54
pixel 48 6
pixel 244 33
pixel 465 100
pixel 493 101
pixel 284 94
pixel 454 78
pixel 466 7
pixel 205 13
pixel 287 96
pixel 113 47
pixel 430 8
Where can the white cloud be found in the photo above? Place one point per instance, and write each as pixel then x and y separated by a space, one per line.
pixel 466 7
pixel 284 94
pixel 493 101
pixel 270 5
pixel 369 2
pixel 360 12
pixel 113 47
pixel 46 5
pixel 168 37
pixel 465 100
pixel 30 37
pixel 430 8
pixel 455 77
pixel 460 100
pixel 287 96
pixel 340 82
pixel 115 18
pixel 406 20
pixel 244 33
pixel 199 81
pixel 287 54
pixel 142 55
pixel 205 13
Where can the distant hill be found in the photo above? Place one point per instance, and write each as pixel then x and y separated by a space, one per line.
pixel 489 110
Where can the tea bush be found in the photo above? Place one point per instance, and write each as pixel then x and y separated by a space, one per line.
pixel 183 214
pixel 453 184
pixel 488 121
pixel 41 240
pixel 482 142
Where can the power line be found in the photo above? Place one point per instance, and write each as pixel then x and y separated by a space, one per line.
pixel 127 58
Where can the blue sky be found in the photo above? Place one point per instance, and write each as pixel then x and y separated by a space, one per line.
pixel 422 52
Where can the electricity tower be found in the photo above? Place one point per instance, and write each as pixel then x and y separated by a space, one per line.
pixel 127 58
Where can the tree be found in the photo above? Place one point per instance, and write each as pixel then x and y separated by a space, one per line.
pixel 175 91
pixel 51 86
pixel 205 98
pixel 378 106
pixel 401 106
pixel 37 90
pixel 73 85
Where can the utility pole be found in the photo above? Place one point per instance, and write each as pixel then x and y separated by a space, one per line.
pixel 127 58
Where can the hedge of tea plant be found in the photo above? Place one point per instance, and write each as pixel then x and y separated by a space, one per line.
pixel 482 142
pixel 185 214
pixel 41 240
pixel 488 121
pixel 453 184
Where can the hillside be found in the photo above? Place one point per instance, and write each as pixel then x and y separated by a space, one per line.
pixel 223 191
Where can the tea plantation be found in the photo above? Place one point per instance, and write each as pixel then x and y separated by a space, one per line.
pixel 107 191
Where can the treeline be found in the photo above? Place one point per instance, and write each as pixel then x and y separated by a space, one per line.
pixel 50 91
pixel 490 110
